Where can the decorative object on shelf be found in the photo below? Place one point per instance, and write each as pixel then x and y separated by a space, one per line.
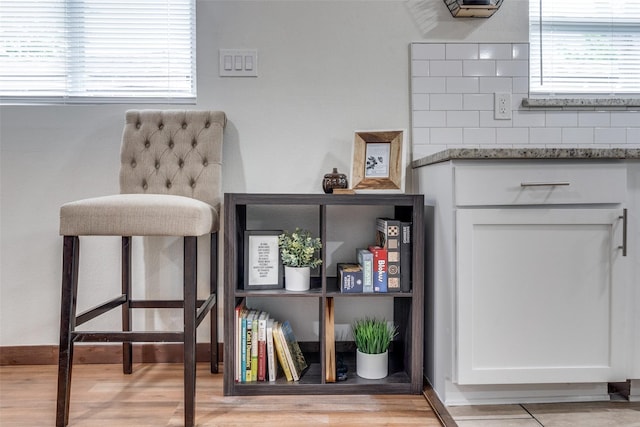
pixel 299 254
pixel 379 161
pixel 473 8
pixel 372 337
pixel 262 267
pixel 334 180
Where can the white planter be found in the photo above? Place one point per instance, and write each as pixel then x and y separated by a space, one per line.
pixel 297 278
pixel 372 366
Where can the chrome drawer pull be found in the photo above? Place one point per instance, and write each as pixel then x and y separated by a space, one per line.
pixel 623 217
pixel 542 184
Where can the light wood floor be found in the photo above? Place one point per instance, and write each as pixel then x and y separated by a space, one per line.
pixel 152 396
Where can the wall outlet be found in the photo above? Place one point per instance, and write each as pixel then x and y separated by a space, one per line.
pixel 502 106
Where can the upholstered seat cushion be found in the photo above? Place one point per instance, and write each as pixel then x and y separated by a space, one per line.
pixel 138 215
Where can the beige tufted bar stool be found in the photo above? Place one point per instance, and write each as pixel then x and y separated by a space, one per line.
pixel 170 185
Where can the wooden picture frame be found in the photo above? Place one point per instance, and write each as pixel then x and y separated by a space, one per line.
pixel 378 161
pixel 262 266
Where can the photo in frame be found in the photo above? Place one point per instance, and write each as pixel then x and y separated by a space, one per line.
pixel 379 161
pixel 262 266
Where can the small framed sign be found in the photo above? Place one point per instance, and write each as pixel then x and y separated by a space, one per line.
pixel 262 266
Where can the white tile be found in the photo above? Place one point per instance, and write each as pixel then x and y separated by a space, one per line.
pixel 477 101
pixel 610 136
pixel 446 135
pixel 516 100
pixel 545 135
pixel 633 136
pixel 419 68
pixel 424 150
pixel 528 119
pixel 487 120
pixel 495 51
pixel 577 135
pixel 562 118
pixel 427 50
pixel 495 84
pixel 479 135
pixel 429 118
pixel 521 85
pixel 515 68
pixel 462 51
pixel 450 101
pixel 420 135
pixel 420 101
pixel 462 84
pixel 512 135
pixel 484 68
pixel 625 119
pixel 428 85
pixel 594 118
pixel 446 68
pixel 463 119
pixel 521 51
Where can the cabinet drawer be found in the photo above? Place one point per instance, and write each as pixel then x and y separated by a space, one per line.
pixel 492 183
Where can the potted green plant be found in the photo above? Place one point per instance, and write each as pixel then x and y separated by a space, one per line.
pixel 372 337
pixel 299 254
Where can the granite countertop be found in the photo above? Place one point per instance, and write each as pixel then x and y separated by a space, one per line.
pixel 528 153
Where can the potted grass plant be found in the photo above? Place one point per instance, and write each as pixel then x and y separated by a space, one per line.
pixel 299 254
pixel 372 337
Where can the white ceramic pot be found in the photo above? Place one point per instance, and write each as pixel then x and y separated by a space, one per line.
pixel 297 278
pixel 372 366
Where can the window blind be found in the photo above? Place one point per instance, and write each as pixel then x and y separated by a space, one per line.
pixel 589 47
pixel 98 50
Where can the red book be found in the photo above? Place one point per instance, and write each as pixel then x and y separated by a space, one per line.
pixel 379 268
pixel 262 346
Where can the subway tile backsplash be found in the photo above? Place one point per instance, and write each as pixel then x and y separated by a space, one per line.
pixel 452 100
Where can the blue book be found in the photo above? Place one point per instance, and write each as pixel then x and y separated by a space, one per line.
pixel 365 259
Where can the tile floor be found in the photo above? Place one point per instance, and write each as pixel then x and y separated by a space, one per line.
pixel 618 412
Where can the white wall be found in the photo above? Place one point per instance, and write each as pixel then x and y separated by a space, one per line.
pixel 326 68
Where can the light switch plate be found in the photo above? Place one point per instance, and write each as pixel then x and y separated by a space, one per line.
pixel 238 62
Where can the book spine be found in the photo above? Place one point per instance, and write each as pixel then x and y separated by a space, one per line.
pixel 379 269
pixel 365 259
pixel 350 277
pixel 287 354
pixel 262 348
pixel 297 360
pixel 243 349
pixel 249 341
pixel 240 309
pixel 254 349
pixel 388 237
pixel 277 343
pixel 405 256
pixel 271 361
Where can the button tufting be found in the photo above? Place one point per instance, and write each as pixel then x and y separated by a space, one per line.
pixel 193 184
pixel 147 144
pixel 144 185
pixel 157 165
pixel 168 184
pixel 194 142
pixel 171 144
pixel 133 163
pixel 205 162
pixel 207 124
pixel 181 163
pixel 184 125
pixel 161 126
pixel 138 125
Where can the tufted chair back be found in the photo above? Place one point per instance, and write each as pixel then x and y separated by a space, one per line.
pixel 173 152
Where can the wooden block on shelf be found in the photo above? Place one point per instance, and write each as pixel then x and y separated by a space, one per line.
pixel 343 191
pixel 329 342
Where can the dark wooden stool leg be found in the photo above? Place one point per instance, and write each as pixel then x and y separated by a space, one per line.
pixel 190 305
pixel 127 347
pixel 70 255
pixel 213 314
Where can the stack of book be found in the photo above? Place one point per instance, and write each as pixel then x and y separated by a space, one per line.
pixel 384 266
pixel 265 346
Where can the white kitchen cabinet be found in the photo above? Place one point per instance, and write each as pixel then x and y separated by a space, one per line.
pixel 529 292
pixel 541 296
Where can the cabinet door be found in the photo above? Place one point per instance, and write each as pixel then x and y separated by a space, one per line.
pixel 541 296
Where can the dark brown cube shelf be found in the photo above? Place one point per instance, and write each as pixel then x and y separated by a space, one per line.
pixel 405 355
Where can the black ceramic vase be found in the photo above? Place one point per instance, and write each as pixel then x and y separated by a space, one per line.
pixel 333 180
